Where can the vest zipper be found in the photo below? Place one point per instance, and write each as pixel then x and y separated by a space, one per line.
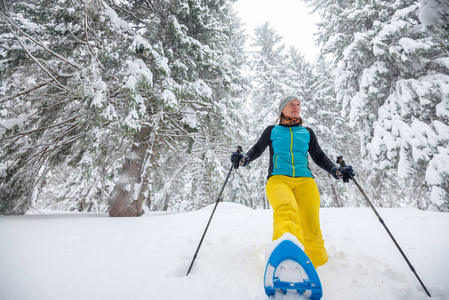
pixel 291 150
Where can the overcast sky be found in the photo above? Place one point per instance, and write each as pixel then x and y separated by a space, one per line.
pixel 290 18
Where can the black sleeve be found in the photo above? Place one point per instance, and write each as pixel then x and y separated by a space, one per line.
pixel 317 154
pixel 263 142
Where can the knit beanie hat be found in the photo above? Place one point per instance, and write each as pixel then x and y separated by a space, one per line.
pixel 284 102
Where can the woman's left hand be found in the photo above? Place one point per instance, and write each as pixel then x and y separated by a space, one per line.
pixel 344 173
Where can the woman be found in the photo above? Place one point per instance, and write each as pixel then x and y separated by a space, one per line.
pixel 291 189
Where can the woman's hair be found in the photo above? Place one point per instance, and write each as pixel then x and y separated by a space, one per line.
pixel 281 116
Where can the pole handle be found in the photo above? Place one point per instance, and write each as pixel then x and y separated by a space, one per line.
pixel 343 164
pixel 237 162
pixel 341 161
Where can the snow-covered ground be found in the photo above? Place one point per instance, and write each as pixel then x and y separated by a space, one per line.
pixel 82 256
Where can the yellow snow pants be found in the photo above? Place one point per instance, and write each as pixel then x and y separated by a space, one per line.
pixel 296 205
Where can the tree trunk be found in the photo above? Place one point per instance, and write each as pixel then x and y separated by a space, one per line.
pixel 144 194
pixel 167 199
pixel 335 196
pixel 124 198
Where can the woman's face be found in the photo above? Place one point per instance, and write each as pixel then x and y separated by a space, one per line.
pixel 292 109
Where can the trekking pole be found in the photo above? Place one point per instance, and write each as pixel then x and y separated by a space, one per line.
pixel 233 166
pixel 343 164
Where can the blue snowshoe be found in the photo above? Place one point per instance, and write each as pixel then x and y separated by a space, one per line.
pixel 289 268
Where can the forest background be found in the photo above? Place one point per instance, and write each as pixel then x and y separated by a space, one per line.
pixel 128 106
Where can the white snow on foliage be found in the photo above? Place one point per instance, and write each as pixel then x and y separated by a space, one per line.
pixel 189 116
pixel 12 122
pixel 138 71
pixel 54 255
pixel 99 96
pixel 169 99
pixel 437 195
pixel 162 62
pixel 114 18
pixel 438 167
pixel 131 82
pixel 434 14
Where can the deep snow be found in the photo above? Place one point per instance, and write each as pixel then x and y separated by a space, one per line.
pixel 55 255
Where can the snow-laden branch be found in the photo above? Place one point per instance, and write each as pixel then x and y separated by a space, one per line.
pixel 36 59
pixel 64 59
pixel 4 99
pixel 85 24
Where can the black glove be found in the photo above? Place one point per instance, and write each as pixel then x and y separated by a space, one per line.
pixel 344 173
pixel 239 159
pixel 236 156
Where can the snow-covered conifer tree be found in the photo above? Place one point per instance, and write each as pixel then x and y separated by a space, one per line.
pixel 95 94
pixel 268 73
pixel 200 46
pixel 391 81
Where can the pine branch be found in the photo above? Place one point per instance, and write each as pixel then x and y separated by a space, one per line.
pixel 21 134
pixel 128 13
pixel 85 25
pixel 4 99
pixel 36 60
pixel 10 21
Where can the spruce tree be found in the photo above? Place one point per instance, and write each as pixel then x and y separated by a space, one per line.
pixel 390 83
pixel 97 94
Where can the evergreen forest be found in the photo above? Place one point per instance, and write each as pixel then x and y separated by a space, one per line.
pixel 127 106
